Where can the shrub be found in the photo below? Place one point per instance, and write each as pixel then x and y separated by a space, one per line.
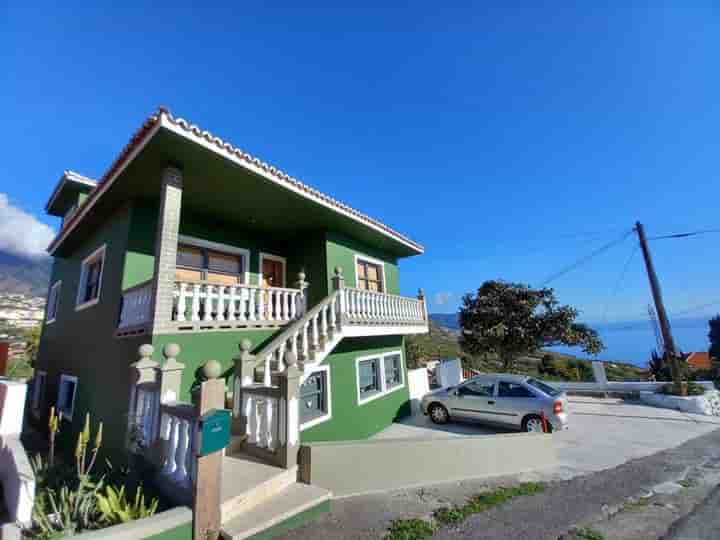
pixel 115 508
pixel 410 529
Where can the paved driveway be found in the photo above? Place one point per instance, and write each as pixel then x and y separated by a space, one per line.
pixel 603 433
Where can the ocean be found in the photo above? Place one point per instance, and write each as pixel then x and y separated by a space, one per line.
pixel 632 342
pixel 629 342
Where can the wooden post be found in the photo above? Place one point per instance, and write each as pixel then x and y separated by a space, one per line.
pixel 206 487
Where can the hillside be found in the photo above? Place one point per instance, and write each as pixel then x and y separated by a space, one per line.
pixel 24 276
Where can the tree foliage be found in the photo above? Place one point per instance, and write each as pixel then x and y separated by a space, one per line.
pixel 714 337
pixel 511 319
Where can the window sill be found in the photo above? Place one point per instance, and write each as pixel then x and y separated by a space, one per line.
pixel 315 421
pixel 89 303
pixel 363 401
pixel 50 321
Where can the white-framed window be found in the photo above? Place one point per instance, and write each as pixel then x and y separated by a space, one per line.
pixel 273 270
pixel 315 398
pixel 369 274
pixel 378 375
pixel 66 396
pixel 90 285
pixel 53 302
pixel 38 397
pixel 200 259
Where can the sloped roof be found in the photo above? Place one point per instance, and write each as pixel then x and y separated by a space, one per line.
pixel 68 176
pixel 163 118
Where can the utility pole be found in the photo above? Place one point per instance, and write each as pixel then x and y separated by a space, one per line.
pixel 668 340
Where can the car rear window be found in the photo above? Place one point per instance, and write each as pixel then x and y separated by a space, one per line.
pixel 545 388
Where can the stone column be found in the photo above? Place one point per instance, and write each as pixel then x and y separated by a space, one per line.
pixel 166 242
pixel 289 383
pixel 338 285
pixel 302 285
pixel 244 374
pixel 170 374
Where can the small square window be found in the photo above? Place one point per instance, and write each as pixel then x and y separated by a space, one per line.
pixel 313 397
pixel 66 396
pixel 393 370
pixel 91 279
pixel 53 302
pixel 369 377
pixel 369 275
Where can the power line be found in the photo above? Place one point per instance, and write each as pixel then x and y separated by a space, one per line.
pixel 685 234
pixel 618 283
pixel 582 260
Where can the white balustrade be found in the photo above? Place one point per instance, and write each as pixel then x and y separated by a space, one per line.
pixel 178 427
pixel 260 406
pixel 211 302
pixel 361 306
pixel 136 302
pixel 146 414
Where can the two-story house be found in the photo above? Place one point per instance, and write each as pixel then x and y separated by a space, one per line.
pixel 187 239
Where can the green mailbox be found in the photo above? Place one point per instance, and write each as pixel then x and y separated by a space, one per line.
pixel 213 431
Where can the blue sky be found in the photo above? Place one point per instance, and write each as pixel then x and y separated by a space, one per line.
pixel 508 140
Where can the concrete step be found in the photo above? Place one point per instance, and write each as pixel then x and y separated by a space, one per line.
pixel 287 509
pixel 248 482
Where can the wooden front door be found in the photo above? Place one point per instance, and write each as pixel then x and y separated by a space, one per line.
pixel 273 273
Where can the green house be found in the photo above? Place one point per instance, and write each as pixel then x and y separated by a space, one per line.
pixel 188 240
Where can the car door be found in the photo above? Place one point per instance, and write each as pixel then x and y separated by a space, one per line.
pixel 474 400
pixel 514 400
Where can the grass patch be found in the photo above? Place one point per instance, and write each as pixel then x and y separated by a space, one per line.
pixel 483 501
pixel 586 533
pixel 410 529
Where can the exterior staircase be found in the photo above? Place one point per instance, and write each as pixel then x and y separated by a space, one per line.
pixel 261 498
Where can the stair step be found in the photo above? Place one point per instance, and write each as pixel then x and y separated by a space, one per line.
pixel 277 511
pixel 248 482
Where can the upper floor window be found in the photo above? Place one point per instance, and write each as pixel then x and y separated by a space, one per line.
pixel 91 273
pixel 207 261
pixel 53 302
pixel 370 274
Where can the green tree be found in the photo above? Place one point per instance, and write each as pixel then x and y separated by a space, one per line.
pixel 714 337
pixel 511 319
pixel 32 343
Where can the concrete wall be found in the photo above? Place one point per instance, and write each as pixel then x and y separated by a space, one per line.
pixel 18 480
pixel 449 372
pixel 356 467
pixel 418 386
pixel 172 524
pixel 617 387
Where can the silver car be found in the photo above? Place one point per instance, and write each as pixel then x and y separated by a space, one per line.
pixel 515 401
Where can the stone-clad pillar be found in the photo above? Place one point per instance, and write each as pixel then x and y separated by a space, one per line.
pixel 168 230
pixel 289 418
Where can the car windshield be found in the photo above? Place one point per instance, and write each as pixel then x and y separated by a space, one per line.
pixel 545 388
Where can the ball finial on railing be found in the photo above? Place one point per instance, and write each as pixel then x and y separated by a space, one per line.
pixel 146 350
pixel 171 350
pixel 338 270
pixel 245 345
pixel 212 369
pixel 290 359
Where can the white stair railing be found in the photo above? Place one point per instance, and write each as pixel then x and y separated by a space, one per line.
pixel 260 405
pixel 372 307
pixel 178 425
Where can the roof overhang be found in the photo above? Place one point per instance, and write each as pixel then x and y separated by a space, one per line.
pixel 70 181
pixel 162 126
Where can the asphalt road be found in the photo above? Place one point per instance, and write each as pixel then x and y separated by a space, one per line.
pixel 549 515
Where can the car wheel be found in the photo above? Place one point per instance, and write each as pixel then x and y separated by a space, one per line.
pixel 438 414
pixel 534 424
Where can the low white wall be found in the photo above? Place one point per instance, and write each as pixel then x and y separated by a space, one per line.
pixel 142 528
pixel 418 386
pixel 617 387
pixel 449 372
pixel 356 467
pixel 12 406
pixel 707 404
pixel 18 480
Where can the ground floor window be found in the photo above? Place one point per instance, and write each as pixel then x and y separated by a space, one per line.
pixel 38 395
pixel 315 402
pixel 378 375
pixel 66 396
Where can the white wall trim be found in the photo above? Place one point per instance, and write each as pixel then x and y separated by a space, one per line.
pixel 67 378
pixel 381 264
pixel 98 253
pixel 328 397
pixel 58 285
pixel 225 248
pixel 271 257
pixel 384 391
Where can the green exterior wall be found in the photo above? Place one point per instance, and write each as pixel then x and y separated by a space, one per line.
pixel 341 251
pixel 82 343
pixel 140 253
pixel 351 421
pixel 196 348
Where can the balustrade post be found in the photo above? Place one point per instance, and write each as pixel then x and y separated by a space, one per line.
pixel 423 308
pixel 339 285
pixel 244 374
pixel 170 374
pixel 289 408
pixel 142 371
pixel 303 300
